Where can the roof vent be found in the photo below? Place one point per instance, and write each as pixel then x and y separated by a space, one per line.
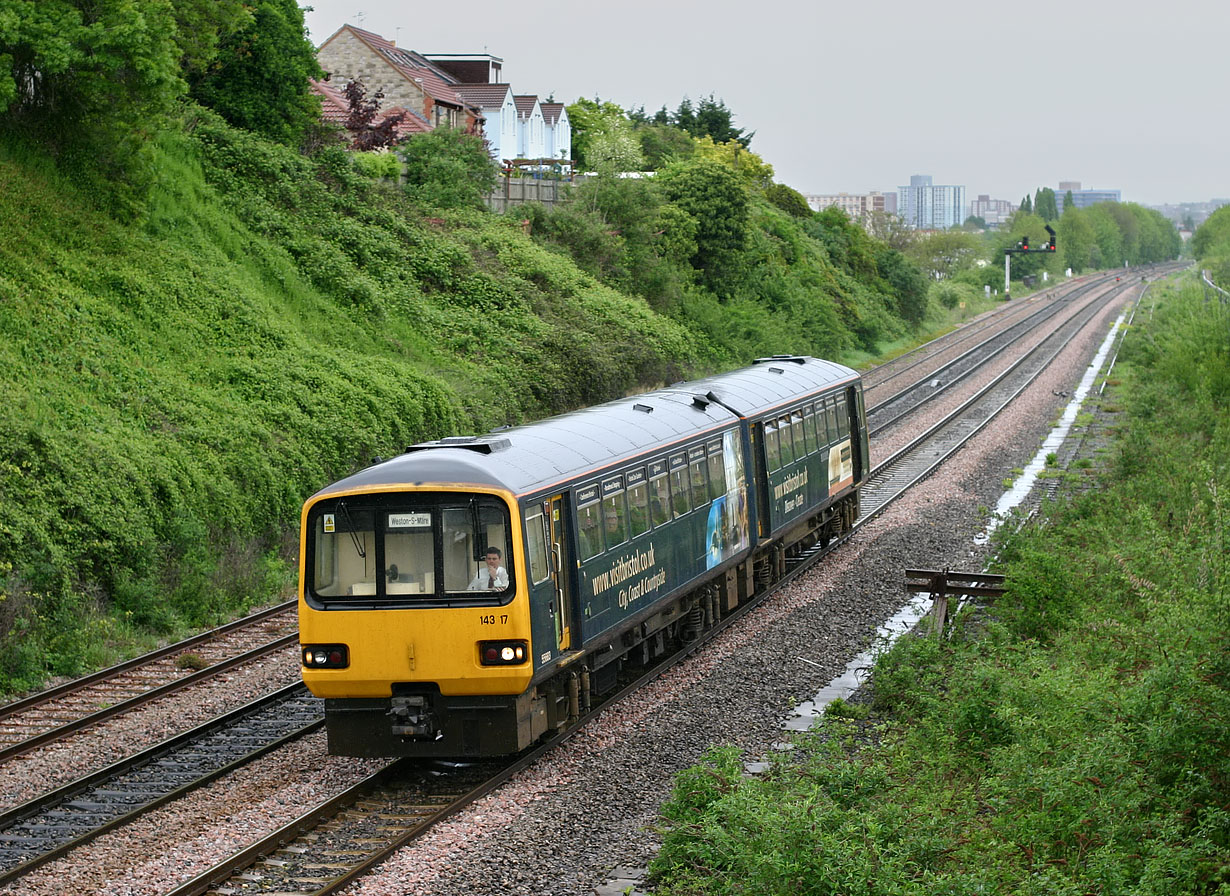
pixel 776 370
pixel 642 407
pixel 485 445
pixel 700 401
pixel 793 359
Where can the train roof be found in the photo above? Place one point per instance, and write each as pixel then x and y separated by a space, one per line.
pixel 588 442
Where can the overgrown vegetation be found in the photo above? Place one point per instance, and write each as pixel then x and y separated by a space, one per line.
pixel 1075 741
pixel 173 391
pixel 1211 246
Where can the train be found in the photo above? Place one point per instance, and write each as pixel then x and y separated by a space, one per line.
pixel 473 595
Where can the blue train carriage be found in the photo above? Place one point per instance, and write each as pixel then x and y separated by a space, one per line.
pixel 809 448
pixel 621 529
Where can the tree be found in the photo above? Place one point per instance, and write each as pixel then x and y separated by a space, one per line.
pixel 718 201
pixel 945 253
pixel 662 144
pixel 1075 237
pixel 448 168
pixel 201 26
pixel 611 146
pixel 789 200
pixel 89 80
pixel 1045 206
pixel 714 120
pixel 747 165
pixel 361 117
pixel 1026 205
pixel 259 80
pixel 589 118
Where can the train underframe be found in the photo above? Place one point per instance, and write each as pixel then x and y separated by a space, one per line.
pixel 419 721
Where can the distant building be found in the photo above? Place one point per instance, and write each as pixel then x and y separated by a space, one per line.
pixel 858 206
pixel 1190 213
pixel 926 206
pixel 1082 198
pixel 993 211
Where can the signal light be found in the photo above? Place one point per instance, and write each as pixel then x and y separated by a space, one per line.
pixel 1050 247
pixel 503 653
pixel 1025 243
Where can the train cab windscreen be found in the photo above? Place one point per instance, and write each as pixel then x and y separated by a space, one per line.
pixel 409 550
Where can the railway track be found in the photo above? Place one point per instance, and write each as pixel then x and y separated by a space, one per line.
pixel 51 715
pixel 996 341
pixel 54 823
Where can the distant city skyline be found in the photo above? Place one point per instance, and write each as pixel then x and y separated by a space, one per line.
pixel 857 97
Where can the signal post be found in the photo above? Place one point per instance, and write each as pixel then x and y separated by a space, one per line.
pixel 1022 248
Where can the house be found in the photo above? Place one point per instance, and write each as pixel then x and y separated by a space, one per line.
pixel 558 140
pixel 531 128
pixel 407 79
pixel 499 111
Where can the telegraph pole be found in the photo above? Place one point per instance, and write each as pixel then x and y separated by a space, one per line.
pixel 1022 248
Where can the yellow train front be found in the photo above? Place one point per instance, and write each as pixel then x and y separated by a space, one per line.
pixel 474 594
pixel 416 647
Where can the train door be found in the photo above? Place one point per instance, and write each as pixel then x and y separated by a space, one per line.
pixel 561 569
pixel 858 432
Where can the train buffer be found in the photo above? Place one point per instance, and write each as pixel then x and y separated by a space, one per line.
pixel 942 584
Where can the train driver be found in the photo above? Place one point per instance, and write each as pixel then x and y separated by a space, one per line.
pixel 494 577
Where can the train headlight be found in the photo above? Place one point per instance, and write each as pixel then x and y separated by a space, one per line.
pixel 503 653
pixel 325 656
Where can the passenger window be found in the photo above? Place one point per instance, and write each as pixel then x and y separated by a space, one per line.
pixel 772 451
pixel 660 500
pixel 808 426
pixel 717 476
pixel 613 520
pixel 787 443
pixel 700 483
pixel 536 544
pixel 830 427
pixel 589 531
pixel 843 419
pixel 679 492
pixel 638 509
pixel 803 441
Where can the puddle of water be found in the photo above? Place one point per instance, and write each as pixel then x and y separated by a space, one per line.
pixel 919 606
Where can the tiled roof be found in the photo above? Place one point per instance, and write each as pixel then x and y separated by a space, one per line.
pixel 335 108
pixel 333 105
pixel 412 66
pixel 525 104
pixel 551 111
pixel 483 94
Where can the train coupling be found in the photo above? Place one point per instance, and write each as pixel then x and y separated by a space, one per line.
pixel 412 717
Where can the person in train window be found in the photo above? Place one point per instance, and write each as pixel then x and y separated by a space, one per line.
pixel 494 577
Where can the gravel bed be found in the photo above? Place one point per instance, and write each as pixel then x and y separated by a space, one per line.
pixel 564 826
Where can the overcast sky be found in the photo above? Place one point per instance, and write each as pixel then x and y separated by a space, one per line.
pixel 856 96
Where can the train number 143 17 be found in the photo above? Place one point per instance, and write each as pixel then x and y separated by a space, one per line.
pixel 490 619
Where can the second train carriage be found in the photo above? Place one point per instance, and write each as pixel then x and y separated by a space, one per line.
pixel 621 527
